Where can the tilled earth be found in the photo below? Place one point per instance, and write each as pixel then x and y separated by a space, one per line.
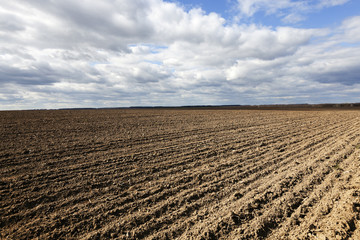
pixel 186 174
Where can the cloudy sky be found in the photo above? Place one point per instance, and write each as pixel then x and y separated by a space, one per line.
pixel 119 53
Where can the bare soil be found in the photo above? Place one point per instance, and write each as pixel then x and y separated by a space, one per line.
pixel 186 174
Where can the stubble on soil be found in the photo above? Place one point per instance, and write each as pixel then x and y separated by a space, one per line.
pixel 186 174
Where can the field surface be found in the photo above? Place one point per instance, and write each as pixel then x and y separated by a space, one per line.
pixel 180 174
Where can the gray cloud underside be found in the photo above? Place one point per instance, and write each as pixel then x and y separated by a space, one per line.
pixel 121 53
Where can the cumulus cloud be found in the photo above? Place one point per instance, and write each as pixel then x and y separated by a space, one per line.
pixel 150 52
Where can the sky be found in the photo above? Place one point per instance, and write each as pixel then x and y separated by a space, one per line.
pixel 121 53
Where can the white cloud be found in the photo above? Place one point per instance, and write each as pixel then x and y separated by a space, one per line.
pixel 331 3
pixel 291 11
pixel 149 52
pixel 350 30
pixel 250 7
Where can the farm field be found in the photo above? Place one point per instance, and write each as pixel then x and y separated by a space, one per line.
pixel 180 174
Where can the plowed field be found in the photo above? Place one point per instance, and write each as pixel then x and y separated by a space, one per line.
pixel 186 174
